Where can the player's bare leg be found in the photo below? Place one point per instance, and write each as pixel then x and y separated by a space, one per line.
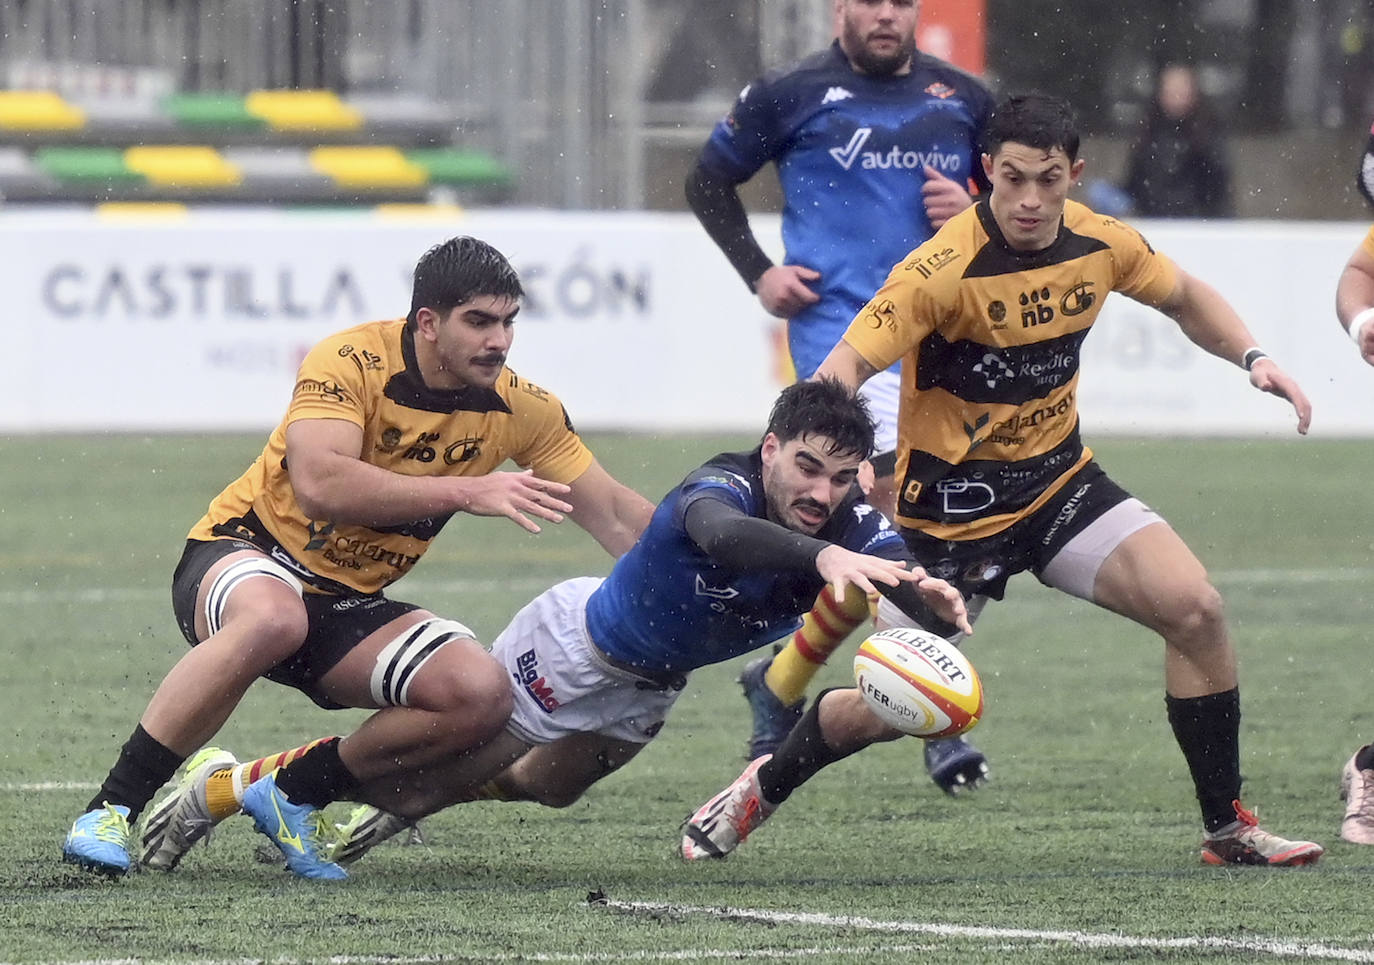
pixel 1154 579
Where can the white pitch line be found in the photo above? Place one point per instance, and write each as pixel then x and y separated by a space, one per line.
pixel 684 955
pixel 1091 940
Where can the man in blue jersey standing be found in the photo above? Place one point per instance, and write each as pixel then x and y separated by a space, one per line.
pixel 730 561
pixel 876 146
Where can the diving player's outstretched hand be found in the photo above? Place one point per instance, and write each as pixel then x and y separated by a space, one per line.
pixel 841 567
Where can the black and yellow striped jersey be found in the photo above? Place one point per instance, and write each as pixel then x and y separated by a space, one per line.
pixel 990 339
pixel 368 375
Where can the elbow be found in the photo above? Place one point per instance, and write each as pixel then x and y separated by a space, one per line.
pixel 311 495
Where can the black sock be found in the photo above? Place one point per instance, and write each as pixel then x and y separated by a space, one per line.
pixel 1208 732
pixel 799 757
pixel 144 765
pixel 317 777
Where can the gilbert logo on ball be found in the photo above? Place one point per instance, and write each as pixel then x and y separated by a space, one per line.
pixel 918 683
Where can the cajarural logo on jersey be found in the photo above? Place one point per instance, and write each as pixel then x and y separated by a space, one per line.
pixel 892 158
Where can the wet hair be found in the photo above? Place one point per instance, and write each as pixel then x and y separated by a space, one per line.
pixel 1035 120
pixel 457 271
pixel 827 408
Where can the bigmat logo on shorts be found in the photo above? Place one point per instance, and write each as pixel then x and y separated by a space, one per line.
pixel 530 678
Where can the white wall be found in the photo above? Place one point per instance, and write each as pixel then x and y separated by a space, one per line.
pixel 635 320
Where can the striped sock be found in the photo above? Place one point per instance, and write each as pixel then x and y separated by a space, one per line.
pixel 822 630
pixel 224 790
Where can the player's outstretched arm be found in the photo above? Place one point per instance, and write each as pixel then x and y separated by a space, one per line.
pixel 1355 301
pixel 613 513
pixel 1212 324
pixel 331 481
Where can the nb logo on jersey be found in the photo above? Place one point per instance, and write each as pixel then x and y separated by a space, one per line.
pixel 1034 311
pixel 835 94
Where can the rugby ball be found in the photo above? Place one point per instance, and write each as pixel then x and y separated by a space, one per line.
pixel 918 683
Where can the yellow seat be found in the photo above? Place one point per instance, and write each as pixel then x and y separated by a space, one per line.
pixel 368 167
pixel 182 166
pixel 303 110
pixel 38 110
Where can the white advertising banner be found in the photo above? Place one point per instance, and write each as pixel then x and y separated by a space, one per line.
pixel 634 319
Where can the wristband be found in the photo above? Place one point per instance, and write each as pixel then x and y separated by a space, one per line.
pixel 1251 356
pixel 1357 323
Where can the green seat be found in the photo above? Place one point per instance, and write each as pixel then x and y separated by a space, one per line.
pixel 456 166
pixel 85 164
pixel 212 110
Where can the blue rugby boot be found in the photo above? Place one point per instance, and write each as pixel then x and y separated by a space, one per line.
pixel 99 841
pixel 295 829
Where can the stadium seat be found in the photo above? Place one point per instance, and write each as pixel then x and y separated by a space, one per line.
pixel 459 167
pixel 85 164
pixel 182 166
pixel 303 110
pixel 38 110
pixel 368 167
pixel 214 111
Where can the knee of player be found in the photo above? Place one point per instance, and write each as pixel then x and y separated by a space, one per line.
pixel 276 631
pixel 465 681
pixel 1193 610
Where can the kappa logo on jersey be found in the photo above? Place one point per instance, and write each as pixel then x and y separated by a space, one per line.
pixel 533 682
pixel 894 158
pixel 835 94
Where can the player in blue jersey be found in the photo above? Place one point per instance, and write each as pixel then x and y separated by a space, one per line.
pixel 730 561
pixel 876 145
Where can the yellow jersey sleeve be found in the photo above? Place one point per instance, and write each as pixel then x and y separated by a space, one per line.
pixel 1368 243
pixel 1142 273
pixel 547 442
pixel 920 291
pixel 330 384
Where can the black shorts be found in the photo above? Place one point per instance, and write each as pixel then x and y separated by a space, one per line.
pixel 983 566
pixel 336 623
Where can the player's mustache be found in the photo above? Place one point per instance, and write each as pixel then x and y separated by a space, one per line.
pixel 496 358
pixel 812 504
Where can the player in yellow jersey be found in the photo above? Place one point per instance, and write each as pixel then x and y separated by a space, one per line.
pixel 1355 312
pixel 393 427
pixel 987 318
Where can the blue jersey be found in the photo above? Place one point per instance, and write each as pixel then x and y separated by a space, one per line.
pixel 851 150
pixel 669 606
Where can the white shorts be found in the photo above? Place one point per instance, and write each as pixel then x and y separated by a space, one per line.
pixel 883 393
pixel 564 685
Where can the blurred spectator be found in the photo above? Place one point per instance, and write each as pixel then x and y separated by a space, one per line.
pixel 1178 166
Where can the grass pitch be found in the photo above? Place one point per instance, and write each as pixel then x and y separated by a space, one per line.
pixel 1083 847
